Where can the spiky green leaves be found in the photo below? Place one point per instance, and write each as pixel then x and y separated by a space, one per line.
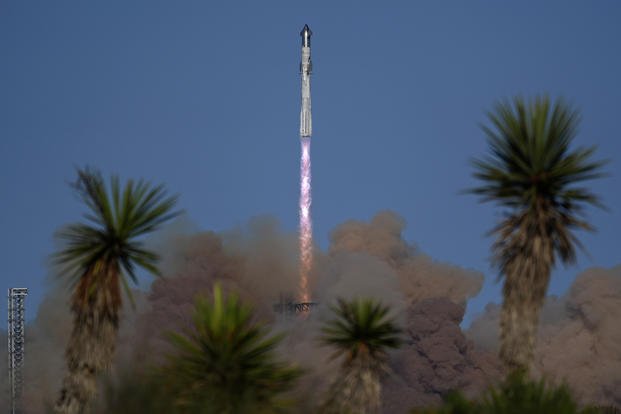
pixel 95 257
pixel 516 395
pixel 533 170
pixel 362 332
pixel 361 325
pixel 531 156
pixel 228 361
pixel 116 218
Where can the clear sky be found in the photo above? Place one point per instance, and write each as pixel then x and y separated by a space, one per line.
pixel 204 96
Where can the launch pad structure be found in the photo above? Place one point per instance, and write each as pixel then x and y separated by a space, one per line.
pixel 287 306
pixel 16 337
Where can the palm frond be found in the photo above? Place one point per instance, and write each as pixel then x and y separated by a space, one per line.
pixel 531 163
pixel 227 355
pixel 116 217
pixel 361 324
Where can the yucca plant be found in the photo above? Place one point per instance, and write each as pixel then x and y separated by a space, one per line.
pixel 228 363
pixel 361 334
pixel 453 403
pixel 97 257
pixel 515 395
pixel 533 172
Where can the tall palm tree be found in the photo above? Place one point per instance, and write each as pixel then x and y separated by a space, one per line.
pixel 98 257
pixel 533 172
pixel 227 364
pixel 361 333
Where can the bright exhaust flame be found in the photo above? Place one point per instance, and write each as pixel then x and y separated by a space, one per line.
pixel 306 223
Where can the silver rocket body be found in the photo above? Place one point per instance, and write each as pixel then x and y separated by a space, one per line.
pixel 306 67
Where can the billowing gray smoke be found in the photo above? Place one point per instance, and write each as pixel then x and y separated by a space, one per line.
pixel 259 262
pixel 579 336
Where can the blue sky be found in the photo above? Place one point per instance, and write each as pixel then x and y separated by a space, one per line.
pixel 204 96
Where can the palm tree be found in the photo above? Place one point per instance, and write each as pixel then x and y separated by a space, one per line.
pixel 361 333
pixel 533 171
pixel 228 363
pixel 98 257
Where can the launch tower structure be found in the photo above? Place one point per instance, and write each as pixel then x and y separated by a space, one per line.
pixel 17 297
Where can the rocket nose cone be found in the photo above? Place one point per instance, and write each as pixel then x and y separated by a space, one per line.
pixel 306 35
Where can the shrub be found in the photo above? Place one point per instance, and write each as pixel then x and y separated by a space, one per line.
pixel 517 395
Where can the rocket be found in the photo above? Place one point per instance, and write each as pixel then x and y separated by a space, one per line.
pixel 306 68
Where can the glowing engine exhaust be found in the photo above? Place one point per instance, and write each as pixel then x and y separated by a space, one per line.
pixel 306 222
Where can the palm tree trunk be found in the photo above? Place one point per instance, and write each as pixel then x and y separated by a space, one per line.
pixel 91 345
pixel 357 389
pixel 526 282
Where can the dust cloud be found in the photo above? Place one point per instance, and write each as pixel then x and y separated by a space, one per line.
pixel 579 338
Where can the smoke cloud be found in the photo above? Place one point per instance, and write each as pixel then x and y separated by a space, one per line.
pixel 259 261
pixel 419 276
pixel 579 337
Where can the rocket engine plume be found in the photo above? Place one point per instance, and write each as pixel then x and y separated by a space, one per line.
pixel 306 223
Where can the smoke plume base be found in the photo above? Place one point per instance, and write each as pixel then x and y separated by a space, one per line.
pixel 259 260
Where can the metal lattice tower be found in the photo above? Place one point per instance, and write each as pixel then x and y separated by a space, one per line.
pixel 17 297
pixel 287 306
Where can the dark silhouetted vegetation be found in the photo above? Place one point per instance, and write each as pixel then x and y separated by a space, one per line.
pixel 97 257
pixel 361 334
pixel 533 172
pixel 228 362
pixel 516 395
